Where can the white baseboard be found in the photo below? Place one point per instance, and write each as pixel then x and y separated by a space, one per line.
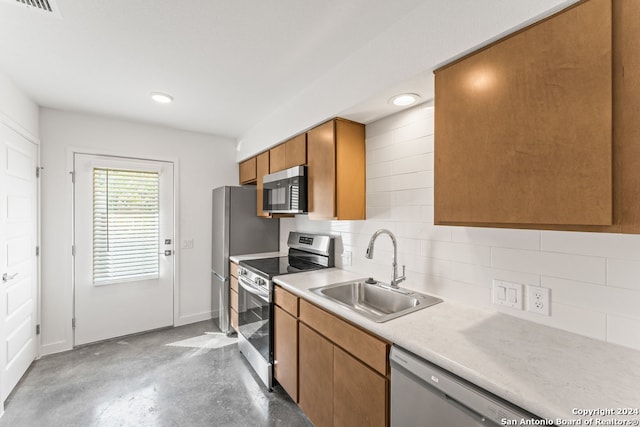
pixel 193 318
pixel 56 347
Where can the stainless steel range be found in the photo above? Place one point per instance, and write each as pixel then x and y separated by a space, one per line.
pixel 255 295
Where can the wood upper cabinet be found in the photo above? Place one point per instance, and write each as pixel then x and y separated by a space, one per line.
pixel 336 170
pixel 248 171
pixel 262 168
pixel 523 127
pixel 289 154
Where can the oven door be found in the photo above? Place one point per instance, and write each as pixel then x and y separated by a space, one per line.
pixel 254 317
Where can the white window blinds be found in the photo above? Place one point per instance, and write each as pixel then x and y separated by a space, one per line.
pixel 125 225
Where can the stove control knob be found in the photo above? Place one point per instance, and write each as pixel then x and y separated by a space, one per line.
pixel 243 272
pixel 260 282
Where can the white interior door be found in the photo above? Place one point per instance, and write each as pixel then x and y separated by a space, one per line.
pixel 18 264
pixel 123 233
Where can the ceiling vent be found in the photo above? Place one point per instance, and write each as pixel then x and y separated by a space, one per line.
pixel 48 7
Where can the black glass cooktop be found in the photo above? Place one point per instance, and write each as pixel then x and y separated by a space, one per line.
pixel 279 265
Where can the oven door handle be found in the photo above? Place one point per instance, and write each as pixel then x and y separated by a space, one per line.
pixel 253 290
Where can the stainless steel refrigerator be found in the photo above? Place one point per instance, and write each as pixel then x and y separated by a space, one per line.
pixel 236 231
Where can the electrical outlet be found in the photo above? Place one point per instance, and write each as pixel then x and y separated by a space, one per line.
pixel 538 300
pixel 508 294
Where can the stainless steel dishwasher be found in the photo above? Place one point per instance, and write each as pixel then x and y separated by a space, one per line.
pixel 423 394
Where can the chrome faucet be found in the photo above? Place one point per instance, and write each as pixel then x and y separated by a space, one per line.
pixel 395 280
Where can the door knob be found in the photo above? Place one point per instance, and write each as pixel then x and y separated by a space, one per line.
pixel 6 277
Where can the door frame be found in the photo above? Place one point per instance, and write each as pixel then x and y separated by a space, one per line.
pixel 71 152
pixel 16 127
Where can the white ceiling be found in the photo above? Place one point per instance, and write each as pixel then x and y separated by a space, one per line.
pixel 238 68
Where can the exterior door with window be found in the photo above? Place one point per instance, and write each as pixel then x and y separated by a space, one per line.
pixel 123 233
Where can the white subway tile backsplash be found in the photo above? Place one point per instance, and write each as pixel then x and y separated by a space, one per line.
pixel 409 181
pixel 623 273
pixel 594 277
pixel 623 246
pixel 418 196
pixel 574 267
pixel 594 297
pixel 378 170
pixel 483 276
pixel 470 254
pixel 624 331
pixel 422 162
pixel 501 237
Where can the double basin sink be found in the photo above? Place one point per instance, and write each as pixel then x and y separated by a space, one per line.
pixel 374 300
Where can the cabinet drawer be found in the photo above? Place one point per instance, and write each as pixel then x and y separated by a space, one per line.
pixel 286 300
pixel 371 350
pixel 233 268
pixel 234 300
pixel 234 284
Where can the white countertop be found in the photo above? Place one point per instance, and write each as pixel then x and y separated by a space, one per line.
pixel 546 371
pixel 238 258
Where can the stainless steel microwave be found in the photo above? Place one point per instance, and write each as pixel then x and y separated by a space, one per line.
pixel 285 191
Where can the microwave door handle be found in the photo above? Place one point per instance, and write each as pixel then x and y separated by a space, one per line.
pixel 253 290
pixel 290 196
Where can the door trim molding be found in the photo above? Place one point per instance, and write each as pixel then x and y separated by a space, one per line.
pixel 71 151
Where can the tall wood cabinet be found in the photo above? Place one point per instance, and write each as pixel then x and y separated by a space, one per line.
pixel 336 166
pixel 523 127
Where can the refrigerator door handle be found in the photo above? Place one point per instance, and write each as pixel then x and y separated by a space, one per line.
pixel 224 279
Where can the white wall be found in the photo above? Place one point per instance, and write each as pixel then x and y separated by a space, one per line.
pixel 411 46
pixel 594 277
pixel 204 162
pixel 17 109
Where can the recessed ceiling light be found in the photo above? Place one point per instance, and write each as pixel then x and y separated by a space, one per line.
pixel 161 98
pixel 404 99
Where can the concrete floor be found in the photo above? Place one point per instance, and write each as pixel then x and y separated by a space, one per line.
pixel 140 381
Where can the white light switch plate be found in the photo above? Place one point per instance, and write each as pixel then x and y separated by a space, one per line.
pixel 508 294
pixel 538 300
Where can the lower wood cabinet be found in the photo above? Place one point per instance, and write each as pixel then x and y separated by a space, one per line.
pixel 337 372
pixel 285 351
pixel 316 376
pixel 359 393
pixel 233 297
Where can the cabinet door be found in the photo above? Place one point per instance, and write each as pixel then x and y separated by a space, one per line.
pixel 316 376
pixel 359 394
pixel 277 158
pixel 285 351
pixel 321 162
pixel 247 171
pixel 523 127
pixel 296 151
pixel 262 167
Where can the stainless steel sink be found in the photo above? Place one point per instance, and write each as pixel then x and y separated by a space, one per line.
pixel 375 301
